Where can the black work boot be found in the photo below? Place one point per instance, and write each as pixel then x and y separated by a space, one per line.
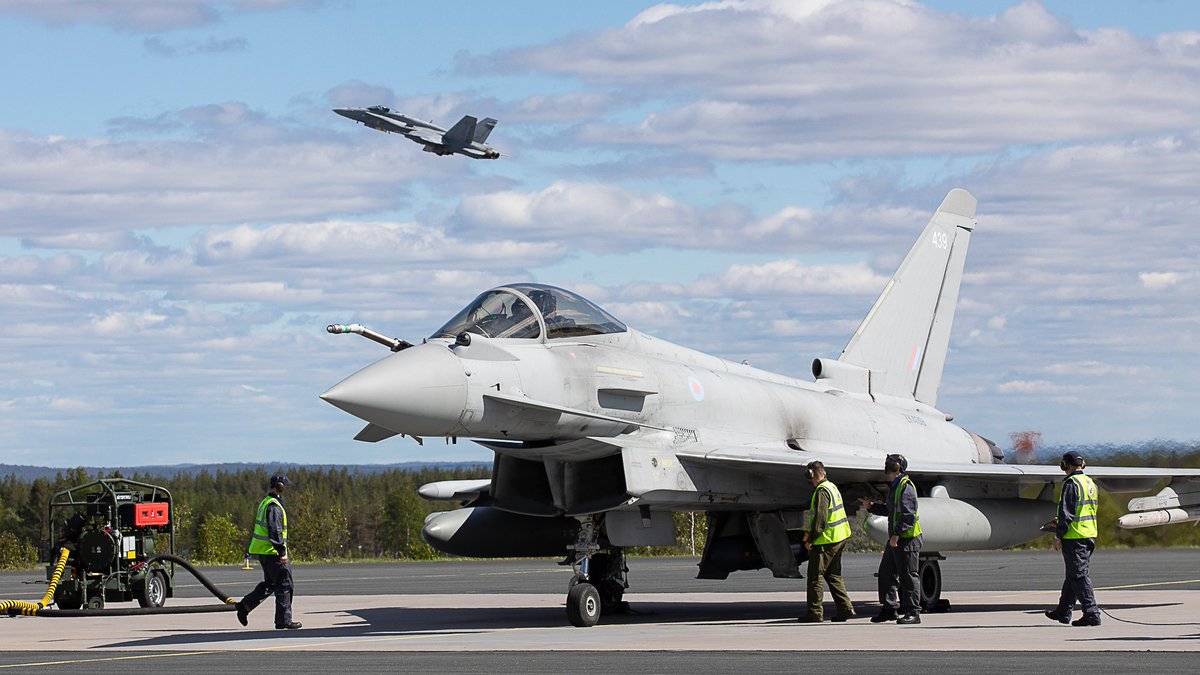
pixel 909 618
pixel 242 613
pixel 291 625
pixel 885 614
pixel 1087 620
pixel 1061 618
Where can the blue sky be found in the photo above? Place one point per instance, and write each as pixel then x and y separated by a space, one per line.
pixel 181 214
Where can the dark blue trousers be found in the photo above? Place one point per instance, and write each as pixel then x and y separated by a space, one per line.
pixel 898 576
pixel 277 579
pixel 1077 554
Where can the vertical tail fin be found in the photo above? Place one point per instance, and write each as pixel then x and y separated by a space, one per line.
pixel 484 129
pixel 904 338
pixel 461 133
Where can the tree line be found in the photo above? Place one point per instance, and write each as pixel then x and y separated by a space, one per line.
pixel 339 514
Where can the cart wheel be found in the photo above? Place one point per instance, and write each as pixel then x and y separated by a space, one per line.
pixel 153 593
pixel 96 602
pixel 69 601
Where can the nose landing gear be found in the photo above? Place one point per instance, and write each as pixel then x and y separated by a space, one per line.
pixel 600 578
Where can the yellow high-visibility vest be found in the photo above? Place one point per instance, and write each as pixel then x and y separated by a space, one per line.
pixel 260 543
pixel 1084 524
pixel 915 530
pixel 837 527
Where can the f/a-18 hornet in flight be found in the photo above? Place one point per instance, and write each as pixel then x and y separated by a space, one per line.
pixel 466 137
pixel 601 432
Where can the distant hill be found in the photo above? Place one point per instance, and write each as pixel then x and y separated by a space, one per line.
pixel 29 473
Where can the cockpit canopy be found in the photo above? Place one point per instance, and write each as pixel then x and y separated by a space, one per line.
pixel 526 310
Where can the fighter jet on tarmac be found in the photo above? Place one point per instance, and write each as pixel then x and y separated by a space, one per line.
pixel 464 138
pixel 601 432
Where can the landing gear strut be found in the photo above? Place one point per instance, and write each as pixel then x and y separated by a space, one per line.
pixel 600 578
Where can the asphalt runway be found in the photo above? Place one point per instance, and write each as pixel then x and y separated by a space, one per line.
pixel 507 616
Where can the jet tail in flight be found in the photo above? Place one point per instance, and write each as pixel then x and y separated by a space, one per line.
pixel 484 129
pixel 904 338
pixel 461 133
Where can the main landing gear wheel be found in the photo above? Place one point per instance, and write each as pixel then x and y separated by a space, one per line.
pixel 583 605
pixel 929 575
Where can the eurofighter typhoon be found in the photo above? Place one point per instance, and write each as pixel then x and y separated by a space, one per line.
pixel 466 137
pixel 601 432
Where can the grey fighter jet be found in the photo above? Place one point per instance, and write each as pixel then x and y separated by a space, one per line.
pixel 466 137
pixel 601 432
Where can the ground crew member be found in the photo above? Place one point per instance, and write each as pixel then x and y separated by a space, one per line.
pixel 269 543
pixel 825 538
pixel 899 566
pixel 1075 534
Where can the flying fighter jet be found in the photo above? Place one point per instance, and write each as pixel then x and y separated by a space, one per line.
pixel 601 432
pixel 466 137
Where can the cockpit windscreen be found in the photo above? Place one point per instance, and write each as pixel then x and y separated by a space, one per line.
pixel 499 313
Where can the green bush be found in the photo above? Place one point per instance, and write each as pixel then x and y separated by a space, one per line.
pixel 220 542
pixel 16 554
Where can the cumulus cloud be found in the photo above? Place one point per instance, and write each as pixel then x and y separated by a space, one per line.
pixel 237 166
pixel 774 79
pixel 607 218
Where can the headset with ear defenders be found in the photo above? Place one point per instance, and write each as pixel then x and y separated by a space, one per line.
pixel 1068 462
pixel 895 462
pixel 811 469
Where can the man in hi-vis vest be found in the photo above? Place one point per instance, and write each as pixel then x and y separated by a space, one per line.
pixel 269 543
pixel 825 537
pixel 901 554
pixel 1075 534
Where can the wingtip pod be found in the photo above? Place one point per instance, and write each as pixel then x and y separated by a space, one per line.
pixel 960 203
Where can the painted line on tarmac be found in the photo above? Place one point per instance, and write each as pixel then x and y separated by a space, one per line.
pixel 102 660
pixel 324 580
pixel 1145 585
pixel 1017 594
pixel 404 638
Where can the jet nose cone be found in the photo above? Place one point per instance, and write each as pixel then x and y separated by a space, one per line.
pixel 420 391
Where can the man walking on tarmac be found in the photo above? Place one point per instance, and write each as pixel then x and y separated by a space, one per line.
pixel 828 530
pixel 1075 534
pixel 901 555
pixel 269 543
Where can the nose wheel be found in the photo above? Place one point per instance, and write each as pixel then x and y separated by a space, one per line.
pixel 583 605
pixel 600 579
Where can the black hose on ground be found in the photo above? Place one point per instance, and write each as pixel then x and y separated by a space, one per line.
pixel 229 603
pixel 212 588
pixel 135 611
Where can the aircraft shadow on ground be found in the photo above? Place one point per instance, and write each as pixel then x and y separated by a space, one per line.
pixel 399 622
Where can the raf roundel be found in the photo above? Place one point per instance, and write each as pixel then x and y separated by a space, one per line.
pixel 696 388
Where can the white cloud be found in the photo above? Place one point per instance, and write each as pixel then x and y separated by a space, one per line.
pixel 1036 387
pixel 1157 281
pixel 139 16
pixel 783 278
pixel 243 170
pixel 1094 369
pixel 765 80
